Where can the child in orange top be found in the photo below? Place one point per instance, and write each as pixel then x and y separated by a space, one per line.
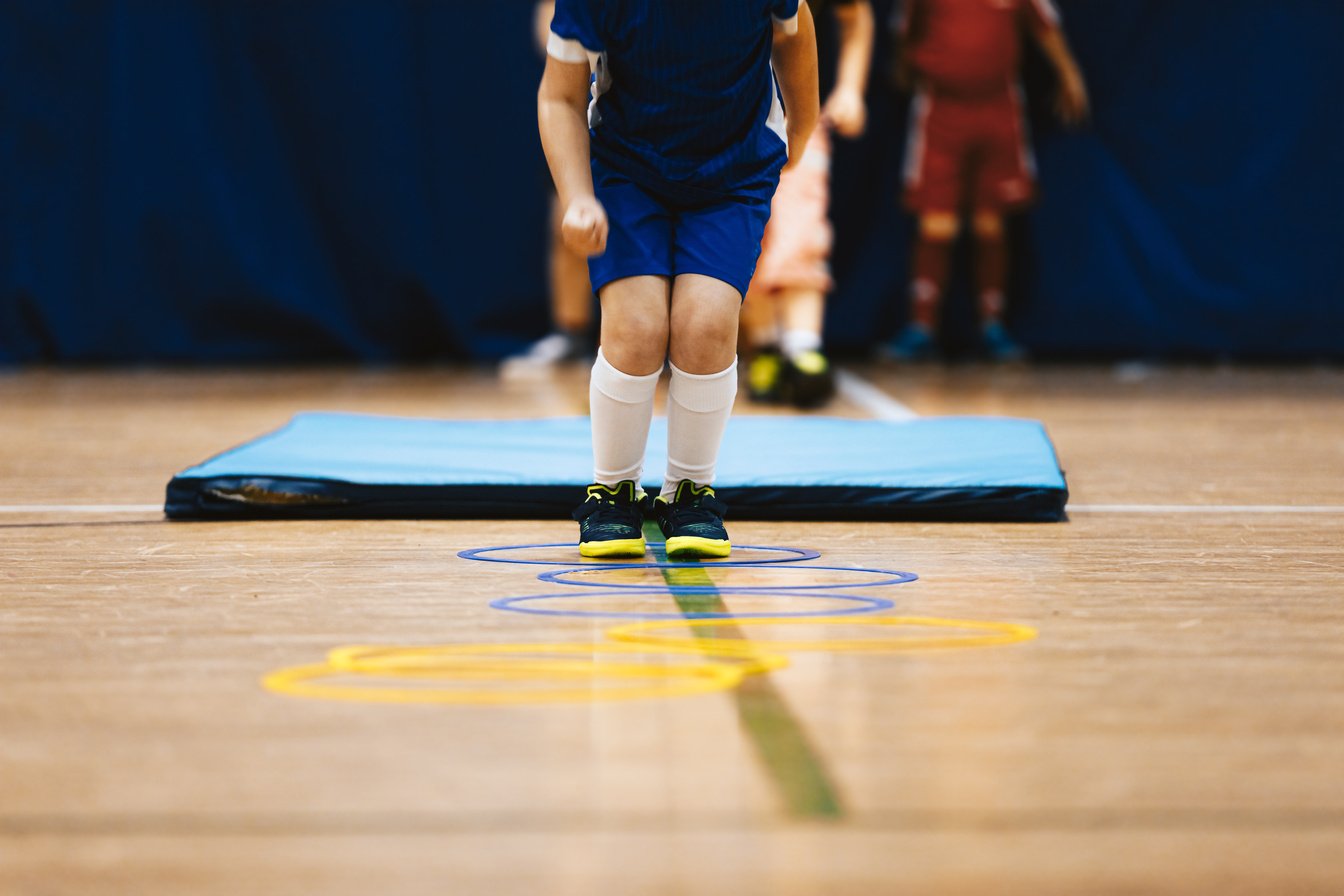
pixel 783 314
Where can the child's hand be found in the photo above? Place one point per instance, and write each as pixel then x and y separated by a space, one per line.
pixel 1072 104
pixel 585 226
pixel 846 112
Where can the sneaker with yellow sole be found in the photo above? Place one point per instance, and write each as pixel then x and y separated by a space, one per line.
pixel 611 520
pixel 692 523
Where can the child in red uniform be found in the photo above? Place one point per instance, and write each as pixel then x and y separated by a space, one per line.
pixel 968 150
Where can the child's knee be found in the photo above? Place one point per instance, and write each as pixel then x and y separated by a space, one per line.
pixel 987 225
pixel 939 227
pixel 705 315
pixel 705 346
pixel 633 345
pixel 710 330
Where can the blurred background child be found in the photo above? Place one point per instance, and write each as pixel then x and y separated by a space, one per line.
pixel 573 336
pixel 783 314
pixel 968 151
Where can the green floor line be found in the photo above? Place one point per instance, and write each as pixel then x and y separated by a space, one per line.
pixel 790 759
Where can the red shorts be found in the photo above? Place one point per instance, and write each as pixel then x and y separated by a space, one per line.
pixel 968 154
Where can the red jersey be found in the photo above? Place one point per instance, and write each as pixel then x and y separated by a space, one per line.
pixel 971 48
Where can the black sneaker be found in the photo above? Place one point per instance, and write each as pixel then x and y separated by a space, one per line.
pixel 611 520
pixel 811 381
pixel 692 523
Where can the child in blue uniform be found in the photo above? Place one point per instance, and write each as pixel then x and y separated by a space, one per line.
pixel 665 131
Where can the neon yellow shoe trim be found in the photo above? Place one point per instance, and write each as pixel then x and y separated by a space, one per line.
pixel 763 373
pixel 683 547
pixel 617 547
pixel 634 492
pixel 690 488
pixel 813 363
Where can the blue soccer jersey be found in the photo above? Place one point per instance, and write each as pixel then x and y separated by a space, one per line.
pixel 684 98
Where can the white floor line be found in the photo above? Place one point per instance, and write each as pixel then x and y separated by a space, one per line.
pixel 1205 508
pixel 859 391
pixel 81 508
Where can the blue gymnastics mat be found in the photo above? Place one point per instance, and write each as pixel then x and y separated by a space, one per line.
pixel 326 465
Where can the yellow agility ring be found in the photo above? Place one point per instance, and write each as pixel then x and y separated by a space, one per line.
pixel 717 657
pixel 983 634
pixel 531 660
pixel 541 665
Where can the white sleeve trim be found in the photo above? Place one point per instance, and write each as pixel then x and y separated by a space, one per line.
pixel 786 26
pixel 565 49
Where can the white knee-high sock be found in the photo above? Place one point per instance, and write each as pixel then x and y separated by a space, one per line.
pixel 621 406
pixel 698 407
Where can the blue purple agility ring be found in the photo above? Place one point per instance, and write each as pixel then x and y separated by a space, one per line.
pixel 886 577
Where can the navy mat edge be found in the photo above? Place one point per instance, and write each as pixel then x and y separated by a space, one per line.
pixel 263 498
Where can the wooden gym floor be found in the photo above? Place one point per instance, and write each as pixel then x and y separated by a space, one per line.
pixel 1177 726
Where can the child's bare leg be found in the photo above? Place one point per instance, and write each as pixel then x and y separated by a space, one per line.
pixel 635 323
pixel 703 345
pixel 571 296
pixel 571 308
pixel 760 324
pixel 625 375
pixel 802 311
pixel 932 262
pixel 704 317
pixel 991 265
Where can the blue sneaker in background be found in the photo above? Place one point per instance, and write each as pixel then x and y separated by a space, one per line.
pixel 998 346
pixel 914 343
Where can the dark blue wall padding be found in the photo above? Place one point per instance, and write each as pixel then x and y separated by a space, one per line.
pixel 280 180
pixel 324 465
pixel 267 180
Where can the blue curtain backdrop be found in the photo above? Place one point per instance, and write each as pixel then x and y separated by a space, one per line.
pixel 263 180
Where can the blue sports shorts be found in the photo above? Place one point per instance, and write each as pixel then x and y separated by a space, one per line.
pixel 652 234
